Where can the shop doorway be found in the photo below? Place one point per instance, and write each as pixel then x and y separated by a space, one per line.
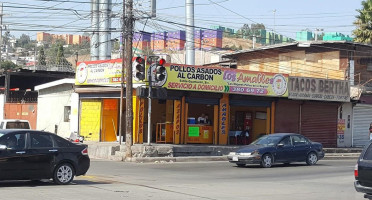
pixel 110 120
pixel 254 120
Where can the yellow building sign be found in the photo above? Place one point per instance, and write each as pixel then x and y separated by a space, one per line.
pixel 225 80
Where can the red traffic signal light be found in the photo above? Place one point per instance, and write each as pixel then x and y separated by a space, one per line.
pixel 161 61
pixel 139 68
pixel 139 59
pixel 160 70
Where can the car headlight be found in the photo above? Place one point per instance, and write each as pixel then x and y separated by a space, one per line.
pixel 255 153
pixel 245 154
pixel 232 153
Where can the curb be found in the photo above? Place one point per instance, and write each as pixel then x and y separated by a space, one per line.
pixel 216 158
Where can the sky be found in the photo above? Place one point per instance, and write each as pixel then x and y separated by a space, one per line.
pixel 282 16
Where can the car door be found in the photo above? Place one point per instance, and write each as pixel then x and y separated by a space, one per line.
pixel 365 167
pixel 12 162
pixel 300 147
pixel 40 156
pixel 284 151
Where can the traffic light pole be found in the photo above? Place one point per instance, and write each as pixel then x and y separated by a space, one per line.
pixel 149 108
pixel 151 60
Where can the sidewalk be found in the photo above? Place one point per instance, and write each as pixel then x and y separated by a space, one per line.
pixel 328 156
pixel 160 153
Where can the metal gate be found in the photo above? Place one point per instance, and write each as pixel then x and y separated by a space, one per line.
pixel 319 122
pixel 362 117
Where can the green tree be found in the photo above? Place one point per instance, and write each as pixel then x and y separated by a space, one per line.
pixel 363 23
pixel 41 59
pixel 60 55
pixel 8 65
pixel 23 41
pixel 255 28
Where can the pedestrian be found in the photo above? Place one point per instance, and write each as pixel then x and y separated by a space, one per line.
pixel 207 121
pixel 201 119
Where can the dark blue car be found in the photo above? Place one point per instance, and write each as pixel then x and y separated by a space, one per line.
pixel 278 148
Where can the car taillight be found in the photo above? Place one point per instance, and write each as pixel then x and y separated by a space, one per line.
pixel 85 151
pixel 356 171
pixel 77 140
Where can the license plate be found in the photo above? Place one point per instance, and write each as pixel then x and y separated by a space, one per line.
pixel 235 158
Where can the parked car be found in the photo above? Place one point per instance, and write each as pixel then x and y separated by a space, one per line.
pixel 14 124
pixel 363 172
pixel 278 148
pixel 35 155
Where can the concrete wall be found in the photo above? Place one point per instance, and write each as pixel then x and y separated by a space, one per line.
pixel 346 139
pixel 51 105
pixel 201 57
pixel 74 117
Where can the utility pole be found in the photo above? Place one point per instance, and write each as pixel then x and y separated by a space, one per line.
pixel 190 47
pixel 1 31
pixel 34 56
pixel 128 37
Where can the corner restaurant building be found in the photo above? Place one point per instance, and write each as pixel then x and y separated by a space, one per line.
pixel 234 100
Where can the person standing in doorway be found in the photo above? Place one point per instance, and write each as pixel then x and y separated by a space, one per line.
pixel 201 119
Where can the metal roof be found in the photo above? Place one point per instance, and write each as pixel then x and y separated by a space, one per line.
pixel 304 45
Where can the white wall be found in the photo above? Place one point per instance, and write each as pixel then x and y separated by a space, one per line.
pixel 345 140
pixel 50 108
pixel 74 118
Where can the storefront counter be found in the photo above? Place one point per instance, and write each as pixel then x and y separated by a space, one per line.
pixel 199 133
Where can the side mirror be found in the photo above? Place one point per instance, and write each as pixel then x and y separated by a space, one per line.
pixel 2 147
pixel 280 145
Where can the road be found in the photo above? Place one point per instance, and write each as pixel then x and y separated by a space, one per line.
pixel 206 180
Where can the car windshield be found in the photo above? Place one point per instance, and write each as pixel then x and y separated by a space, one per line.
pixel 267 140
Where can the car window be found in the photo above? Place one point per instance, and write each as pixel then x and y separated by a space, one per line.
pixel 267 140
pixel 17 125
pixel 368 154
pixel 2 125
pixel 61 142
pixel 298 140
pixel 15 141
pixel 40 140
pixel 286 142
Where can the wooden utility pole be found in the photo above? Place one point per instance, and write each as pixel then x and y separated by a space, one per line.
pixel 128 36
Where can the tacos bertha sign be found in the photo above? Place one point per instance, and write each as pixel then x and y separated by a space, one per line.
pixel 318 89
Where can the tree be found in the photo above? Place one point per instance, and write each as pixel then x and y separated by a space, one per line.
pixel 41 59
pixel 60 55
pixel 363 23
pixel 6 37
pixel 23 41
pixel 8 65
pixel 255 28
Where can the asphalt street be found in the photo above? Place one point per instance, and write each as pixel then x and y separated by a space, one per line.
pixel 328 180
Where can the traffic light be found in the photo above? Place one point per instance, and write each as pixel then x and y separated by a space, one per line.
pixel 139 69
pixel 160 70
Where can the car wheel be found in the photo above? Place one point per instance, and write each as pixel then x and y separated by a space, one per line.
pixel 240 165
pixel 312 158
pixel 266 161
pixel 63 174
